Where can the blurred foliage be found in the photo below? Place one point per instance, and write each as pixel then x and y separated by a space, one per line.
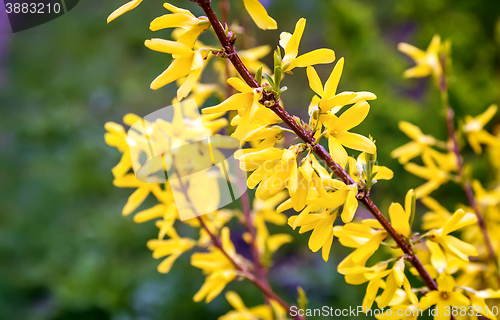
pixel 65 250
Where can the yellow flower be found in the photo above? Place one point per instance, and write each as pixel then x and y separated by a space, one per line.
pixel 252 116
pixel 451 244
pixel 124 8
pixel 366 240
pixel 410 150
pixel 477 300
pixel 476 135
pixel 241 312
pixel 330 100
pixel 437 173
pixel 444 297
pixel 218 268
pixel 357 169
pixel 259 15
pixel 187 62
pixel 188 27
pixel 485 198
pixel 250 58
pixel 322 226
pixel 339 136
pixel 435 218
pixel 427 61
pixel 173 248
pixel 272 166
pixel 400 218
pixel 394 281
pixel 264 211
pixel 290 42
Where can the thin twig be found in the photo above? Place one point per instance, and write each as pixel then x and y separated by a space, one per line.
pixel 260 271
pixel 319 150
pixel 262 285
pixel 455 148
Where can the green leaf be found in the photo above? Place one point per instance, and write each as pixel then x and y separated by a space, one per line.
pixel 278 73
pixel 413 207
pixel 269 79
pixel 258 76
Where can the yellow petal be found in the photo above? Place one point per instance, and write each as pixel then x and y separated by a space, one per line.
pixel 191 35
pixel 434 45
pixel 445 283
pixel 336 102
pixel 486 116
pixel 371 292
pixel 459 300
pixel 239 84
pixel 197 61
pixel 166 264
pixel 353 116
pixel 284 38
pixel 384 173
pixel 459 220
pixel 292 45
pixel 259 15
pixel 168 46
pixel 322 232
pixel 154 212
pixel 438 259
pixel 356 141
pixel 427 188
pixel 188 84
pixel 175 9
pixel 411 51
pixel 262 155
pixel 177 69
pixel 275 241
pixel 327 246
pixel 318 56
pixel 174 20
pixel 135 200
pixel 314 81
pixel 307 169
pixel 399 219
pixel 334 79
pixel 235 301
pixel 124 8
pixel 363 95
pixel 460 248
pixel 350 206
pixel 419 71
pixel 234 102
pixel 389 292
pixel 337 152
pixel 431 298
pixel 300 196
pixel 419 171
pixel 411 130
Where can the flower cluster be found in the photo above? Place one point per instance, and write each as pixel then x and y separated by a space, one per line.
pixel 315 185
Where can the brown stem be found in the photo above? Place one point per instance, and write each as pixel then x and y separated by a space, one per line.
pixel 263 286
pixel 455 148
pixel 260 271
pixel 319 150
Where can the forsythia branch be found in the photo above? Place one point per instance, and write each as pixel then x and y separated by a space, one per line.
pixel 452 134
pixel 261 283
pixel 307 137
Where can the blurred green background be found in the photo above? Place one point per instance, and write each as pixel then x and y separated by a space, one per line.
pixel 65 250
